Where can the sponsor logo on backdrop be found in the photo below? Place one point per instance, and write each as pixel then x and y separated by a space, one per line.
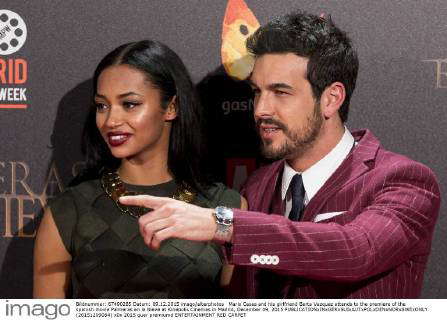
pixel 19 203
pixel 13 32
pixel 235 106
pixel 239 23
pixel 440 72
pixel 13 70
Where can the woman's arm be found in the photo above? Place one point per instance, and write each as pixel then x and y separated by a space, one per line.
pixel 227 269
pixel 52 262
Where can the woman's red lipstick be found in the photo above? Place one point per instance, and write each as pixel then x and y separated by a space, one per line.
pixel 117 138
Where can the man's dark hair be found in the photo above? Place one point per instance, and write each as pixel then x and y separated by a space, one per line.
pixel 331 55
pixel 165 71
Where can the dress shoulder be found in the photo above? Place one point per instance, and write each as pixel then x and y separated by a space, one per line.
pixel 65 208
pixel 64 214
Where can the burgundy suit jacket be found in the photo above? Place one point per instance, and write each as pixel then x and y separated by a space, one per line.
pixel 378 248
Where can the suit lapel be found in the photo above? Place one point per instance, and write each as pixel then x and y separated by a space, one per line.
pixel 277 205
pixel 354 166
pixel 267 185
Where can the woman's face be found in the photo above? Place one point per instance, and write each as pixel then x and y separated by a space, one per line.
pixel 129 114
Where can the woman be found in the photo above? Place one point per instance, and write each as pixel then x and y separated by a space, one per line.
pixel 142 137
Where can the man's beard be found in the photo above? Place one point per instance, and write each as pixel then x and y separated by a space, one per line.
pixel 297 141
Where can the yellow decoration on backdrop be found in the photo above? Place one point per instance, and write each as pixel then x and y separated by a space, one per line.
pixel 239 23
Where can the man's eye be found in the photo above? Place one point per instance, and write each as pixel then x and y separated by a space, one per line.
pixel 256 91
pixel 280 93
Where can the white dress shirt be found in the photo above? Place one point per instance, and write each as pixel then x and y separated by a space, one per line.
pixel 315 177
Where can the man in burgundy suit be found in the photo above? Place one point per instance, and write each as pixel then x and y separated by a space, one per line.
pixel 337 215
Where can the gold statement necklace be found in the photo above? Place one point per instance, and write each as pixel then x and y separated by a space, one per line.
pixel 114 187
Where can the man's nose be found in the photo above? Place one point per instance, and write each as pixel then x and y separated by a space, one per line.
pixel 263 107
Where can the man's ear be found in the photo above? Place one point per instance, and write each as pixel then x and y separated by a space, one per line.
pixel 332 98
pixel 171 110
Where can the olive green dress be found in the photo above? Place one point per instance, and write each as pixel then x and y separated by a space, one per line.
pixel 110 258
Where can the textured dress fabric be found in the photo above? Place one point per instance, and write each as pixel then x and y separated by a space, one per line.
pixel 110 258
pixel 365 234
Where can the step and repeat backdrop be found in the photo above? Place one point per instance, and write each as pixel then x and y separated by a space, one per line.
pixel 49 50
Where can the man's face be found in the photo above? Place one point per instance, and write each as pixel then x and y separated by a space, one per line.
pixel 287 115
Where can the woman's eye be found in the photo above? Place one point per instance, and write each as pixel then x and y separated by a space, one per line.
pixel 100 107
pixel 130 104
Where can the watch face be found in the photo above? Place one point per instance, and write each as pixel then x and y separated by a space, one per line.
pixel 224 215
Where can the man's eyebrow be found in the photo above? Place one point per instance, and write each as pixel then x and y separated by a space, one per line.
pixel 273 86
pixel 279 85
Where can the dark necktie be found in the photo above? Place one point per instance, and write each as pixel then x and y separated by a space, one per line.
pixel 297 191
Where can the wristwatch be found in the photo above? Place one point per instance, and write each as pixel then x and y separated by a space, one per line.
pixel 224 219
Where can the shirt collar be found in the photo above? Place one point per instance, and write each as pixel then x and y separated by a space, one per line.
pixel 315 176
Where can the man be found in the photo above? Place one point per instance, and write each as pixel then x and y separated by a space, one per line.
pixel 337 216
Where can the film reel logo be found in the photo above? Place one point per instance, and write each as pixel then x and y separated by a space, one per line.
pixel 13 32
